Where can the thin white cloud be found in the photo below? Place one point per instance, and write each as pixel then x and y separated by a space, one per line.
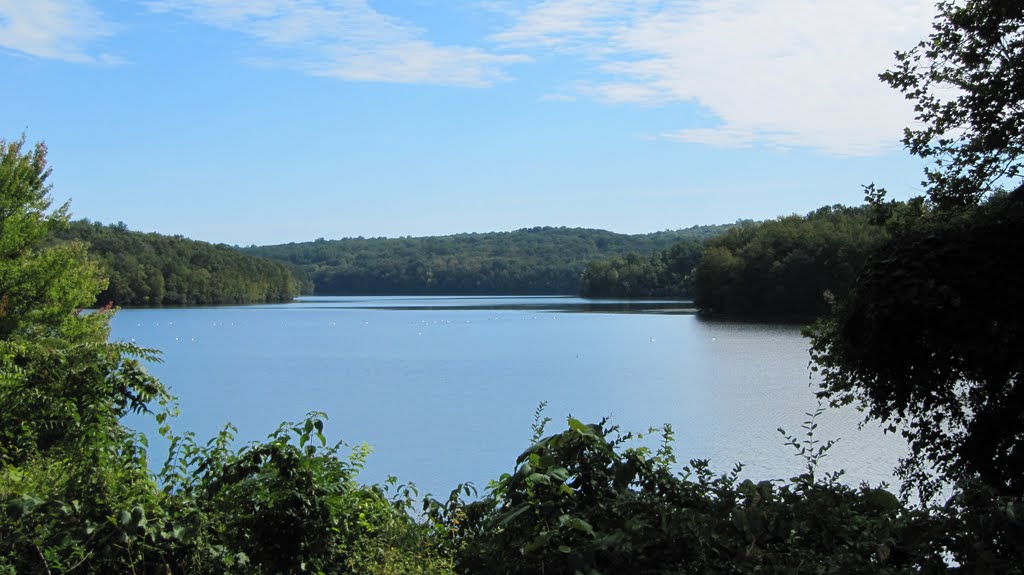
pixel 566 23
pixel 628 92
pixel 414 61
pixel 722 137
pixel 54 29
pixel 780 72
pixel 347 39
pixel 557 97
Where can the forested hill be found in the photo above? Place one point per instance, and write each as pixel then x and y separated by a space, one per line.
pixel 154 269
pixel 775 269
pixel 528 261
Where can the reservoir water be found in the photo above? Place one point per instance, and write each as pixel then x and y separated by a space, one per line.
pixel 444 388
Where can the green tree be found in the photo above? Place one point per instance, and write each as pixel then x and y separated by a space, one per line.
pixel 66 463
pixel 930 339
pixel 37 287
pixel 967 85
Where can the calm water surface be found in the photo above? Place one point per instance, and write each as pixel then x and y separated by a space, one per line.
pixel 444 388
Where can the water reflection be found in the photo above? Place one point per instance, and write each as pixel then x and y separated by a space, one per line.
pixel 546 304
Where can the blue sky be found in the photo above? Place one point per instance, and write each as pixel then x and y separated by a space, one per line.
pixel 269 121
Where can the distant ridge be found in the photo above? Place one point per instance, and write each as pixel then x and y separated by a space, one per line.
pixel 529 261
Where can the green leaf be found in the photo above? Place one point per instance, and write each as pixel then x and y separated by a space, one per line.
pixel 138 517
pixel 577 425
pixel 539 478
pixel 24 505
pixel 539 541
pixel 576 523
pixel 515 512
pixel 559 473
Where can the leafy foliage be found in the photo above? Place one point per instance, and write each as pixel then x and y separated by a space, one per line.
pixel 929 340
pixel 36 286
pixel 153 269
pixel 586 501
pixel 67 467
pixel 290 505
pixel 966 83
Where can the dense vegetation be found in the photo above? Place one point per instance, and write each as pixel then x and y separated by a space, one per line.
pixel 787 267
pixel 589 500
pixel 667 273
pixel 790 267
pixel 154 269
pixel 927 338
pixel 540 261
pixel 930 339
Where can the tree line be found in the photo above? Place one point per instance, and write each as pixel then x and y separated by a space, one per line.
pixel 539 261
pixel 156 269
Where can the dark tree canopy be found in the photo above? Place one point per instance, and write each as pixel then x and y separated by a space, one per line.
pixel 967 84
pixel 930 339
pixel 783 268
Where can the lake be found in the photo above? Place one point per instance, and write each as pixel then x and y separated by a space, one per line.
pixel 444 388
